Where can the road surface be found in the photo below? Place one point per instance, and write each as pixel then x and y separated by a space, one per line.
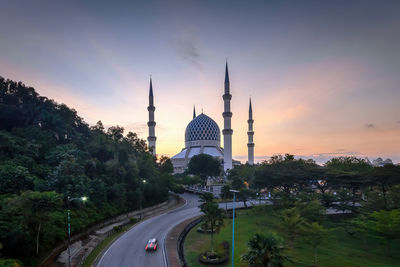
pixel 128 250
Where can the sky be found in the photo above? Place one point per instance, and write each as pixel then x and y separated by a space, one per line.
pixel 324 76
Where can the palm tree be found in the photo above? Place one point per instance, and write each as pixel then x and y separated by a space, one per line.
pixel 212 219
pixel 265 251
pixel 205 199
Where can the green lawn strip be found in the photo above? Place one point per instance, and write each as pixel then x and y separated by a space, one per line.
pixel 338 249
pixel 104 244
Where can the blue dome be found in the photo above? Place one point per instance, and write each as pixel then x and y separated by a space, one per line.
pixel 202 128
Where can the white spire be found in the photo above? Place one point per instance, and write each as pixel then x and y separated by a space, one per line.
pixel 250 134
pixel 227 115
pixel 151 139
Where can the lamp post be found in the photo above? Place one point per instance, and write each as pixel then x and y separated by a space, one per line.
pixel 69 199
pixel 233 222
pixel 141 196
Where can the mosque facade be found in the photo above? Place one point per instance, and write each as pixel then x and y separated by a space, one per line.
pixel 203 135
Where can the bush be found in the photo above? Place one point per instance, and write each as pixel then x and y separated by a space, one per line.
pixel 117 228
pixel 133 220
pixel 179 189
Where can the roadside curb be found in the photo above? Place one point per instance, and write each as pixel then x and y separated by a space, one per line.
pixel 175 241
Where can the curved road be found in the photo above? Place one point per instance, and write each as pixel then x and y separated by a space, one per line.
pixel 128 250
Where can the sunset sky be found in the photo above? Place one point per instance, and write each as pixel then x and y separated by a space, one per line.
pixel 324 76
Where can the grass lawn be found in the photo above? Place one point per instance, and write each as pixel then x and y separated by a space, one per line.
pixel 338 249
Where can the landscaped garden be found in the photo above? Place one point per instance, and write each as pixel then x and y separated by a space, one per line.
pixel 345 213
pixel 340 247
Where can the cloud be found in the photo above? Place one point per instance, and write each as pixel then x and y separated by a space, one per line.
pixel 369 125
pixel 398 121
pixel 189 52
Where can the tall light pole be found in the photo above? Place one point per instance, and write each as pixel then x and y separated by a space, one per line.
pixel 69 200
pixel 233 222
pixel 141 196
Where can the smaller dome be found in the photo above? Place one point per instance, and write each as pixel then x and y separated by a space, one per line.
pixel 202 128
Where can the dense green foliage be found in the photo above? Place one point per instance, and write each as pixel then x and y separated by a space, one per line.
pixel 47 152
pixel 204 165
pixel 344 183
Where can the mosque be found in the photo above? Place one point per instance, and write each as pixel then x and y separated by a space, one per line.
pixel 203 134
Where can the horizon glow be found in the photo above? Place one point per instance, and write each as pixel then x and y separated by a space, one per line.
pixel 323 76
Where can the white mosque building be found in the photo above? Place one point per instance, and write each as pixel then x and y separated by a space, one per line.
pixel 203 135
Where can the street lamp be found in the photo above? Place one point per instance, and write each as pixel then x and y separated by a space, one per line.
pixel 233 222
pixel 69 200
pixel 141 196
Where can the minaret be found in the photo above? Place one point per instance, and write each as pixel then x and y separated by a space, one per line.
pixel 250 133
pixel 227 131
pixel 194 112
pixel 151 123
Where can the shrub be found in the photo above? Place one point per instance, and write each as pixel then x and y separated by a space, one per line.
pixel 117 228
pixel 133 220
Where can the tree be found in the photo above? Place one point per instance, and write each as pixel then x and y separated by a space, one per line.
pixel 46 146
pixel 244 195
pixel 205 199
pixel 293 224
pixel 385 177
pixel 265 251
pixel 286 174
pixel 212 219
pixel 245 173
pixel 165 165
pixel 384 224
pixel 311 210
pixel 14 178
pixel 344 201
pixel 25 220
pixel 348 172
pixel 225 194
pixel 204 165
pixel 40 204
pixel 315 235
